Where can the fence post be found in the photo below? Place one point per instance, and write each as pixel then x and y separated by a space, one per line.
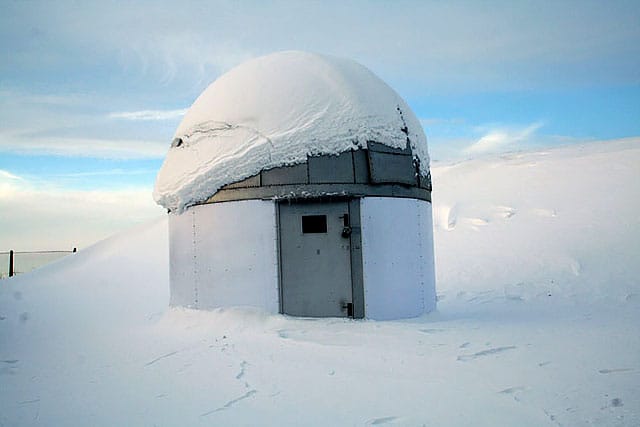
pixel 10 263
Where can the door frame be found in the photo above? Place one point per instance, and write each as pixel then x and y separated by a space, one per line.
pixel 355 249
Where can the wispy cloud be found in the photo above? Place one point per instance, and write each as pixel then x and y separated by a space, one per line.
pixel 6 175
pixel 44 124
pixel 502 139
pixel 149 114
pixel 41 216
pixel 454 139
pixel 83 147
pixel 110 172
pixel 173 55
pixel 15 97
pixel 434 43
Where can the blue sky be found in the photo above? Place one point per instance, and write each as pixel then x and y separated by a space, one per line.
pixel 91 93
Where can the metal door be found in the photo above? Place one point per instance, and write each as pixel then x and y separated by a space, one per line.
pixel 315 259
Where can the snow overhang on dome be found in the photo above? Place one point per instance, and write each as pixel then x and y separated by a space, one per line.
pixel 275 111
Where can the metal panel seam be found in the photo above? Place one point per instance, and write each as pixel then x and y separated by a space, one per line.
pixel 421 269
pixel 279 257
pixel 195 260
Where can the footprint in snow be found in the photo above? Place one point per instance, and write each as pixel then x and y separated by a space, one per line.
pixel 613 371
pixel 381 421
pixel 576 267
pixel 164 356
pixel 616 402
pixel 446 217
pixel 514 392
pixel 230 403
pixel 430 330
pixel 505 212
pixel 9 366
pixel 547 213
pixel 496 350
pixel 283 333
pixel 511 390
pixel 243 369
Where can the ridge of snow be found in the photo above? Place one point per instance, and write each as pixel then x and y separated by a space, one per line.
pixel 275 111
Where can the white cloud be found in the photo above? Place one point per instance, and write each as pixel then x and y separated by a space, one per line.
pixel 6 175
pixel 149 114
pixel 37 217
pixel 110 172
pixel 503 139
pixel 173 54
pixel 469 43
pixel 14 142
pixel 59 125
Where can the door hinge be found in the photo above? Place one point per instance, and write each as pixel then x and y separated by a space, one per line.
pixel 349 307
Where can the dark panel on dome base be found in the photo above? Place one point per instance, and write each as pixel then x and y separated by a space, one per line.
pixel 389 172
pixel 252 181
pixel 381 148
pixel 357 279
pixel 425 181
pixel 296 174
pixel 360 166
pixel 331 169
pixel 392 168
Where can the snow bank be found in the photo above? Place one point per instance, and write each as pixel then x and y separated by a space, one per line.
pixel 564 220
pixel 276 110
pixel 129 269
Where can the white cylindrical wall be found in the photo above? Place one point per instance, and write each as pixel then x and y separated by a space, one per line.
pixel 397 252
pixel 225 254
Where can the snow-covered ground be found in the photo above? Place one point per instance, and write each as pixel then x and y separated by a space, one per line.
pixel 538 264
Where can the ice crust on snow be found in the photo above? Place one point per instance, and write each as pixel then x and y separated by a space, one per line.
pixel 274 111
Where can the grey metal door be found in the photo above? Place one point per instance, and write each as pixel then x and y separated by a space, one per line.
pixel 315 259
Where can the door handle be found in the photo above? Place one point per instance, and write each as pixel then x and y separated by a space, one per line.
pixel 346 229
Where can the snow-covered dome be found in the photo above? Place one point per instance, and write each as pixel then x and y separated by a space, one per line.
pixel 274 111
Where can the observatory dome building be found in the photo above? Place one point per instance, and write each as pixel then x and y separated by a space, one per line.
pixel 299 183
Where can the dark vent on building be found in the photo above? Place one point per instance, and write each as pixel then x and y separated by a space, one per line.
pixel 314 224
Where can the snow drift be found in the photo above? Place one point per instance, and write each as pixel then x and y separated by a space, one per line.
pixel 276 110
pixel 539 301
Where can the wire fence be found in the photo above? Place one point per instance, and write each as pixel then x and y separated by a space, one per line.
pixel 17 262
